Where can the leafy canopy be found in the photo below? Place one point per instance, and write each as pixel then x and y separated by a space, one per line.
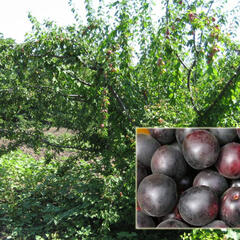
pixel 102 79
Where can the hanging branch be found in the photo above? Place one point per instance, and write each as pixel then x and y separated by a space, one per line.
pixel 119 100
pixel 181 61
pixel 116 96
pixel 189 87
pixel 79 80
pixel 64 57
pixel 220 95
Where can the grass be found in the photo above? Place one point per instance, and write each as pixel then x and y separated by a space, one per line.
pixel 20 175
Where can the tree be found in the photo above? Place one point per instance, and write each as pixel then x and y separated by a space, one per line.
pixel 103 79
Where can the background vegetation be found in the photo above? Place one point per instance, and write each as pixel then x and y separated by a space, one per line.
pixel 100 80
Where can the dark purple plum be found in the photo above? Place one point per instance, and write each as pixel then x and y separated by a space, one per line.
pixel 141 172
pixel 200 149
pixel 157 195
pixel 235 183
pixel 176 146
pixel 198 205
pixel 144 221
pixel 216 224
pixel 185 183
pixel 163 135
pixel 224 135
pixel 230 207
pixel 181 133
pixel 172 223
pixel 228 163
pixel 169 161
pixel 145 148
pixel 174 214
pixel 238 132
pixel 211 179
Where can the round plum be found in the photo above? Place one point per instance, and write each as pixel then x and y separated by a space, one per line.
pixel 235 183
pixel 200 149
pixel 224 135
pixel 144 221
pixel 216 224
pixel 198 205
pixel 146 146
pixel 169 161
pixel 211 179
pixel 163 135
pixel 172 223
pixel 181 133
pixel 157 195
pixel 176 146
pixel 238 132
pixel 229 207
pixel 141 172
pixel 228 163
pixel 185 183
pixel 174 214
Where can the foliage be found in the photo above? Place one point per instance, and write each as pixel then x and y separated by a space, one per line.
pixel 233 234
pixel 210 234
pixel 37 198
pixel 101 80
pixel 199 234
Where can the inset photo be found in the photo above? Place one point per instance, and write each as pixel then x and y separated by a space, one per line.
pixel 187 178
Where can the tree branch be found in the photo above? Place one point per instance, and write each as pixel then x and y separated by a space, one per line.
pixel 181 61
pixel 93 67
pixel 125 110
pixel 220 95
pixel 80 80
pixel 189 87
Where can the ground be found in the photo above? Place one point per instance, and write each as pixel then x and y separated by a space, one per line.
pixel 29 151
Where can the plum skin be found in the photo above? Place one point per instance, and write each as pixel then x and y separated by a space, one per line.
pixel 172 223
pixel 144 221
pixel 157 195
pixel 238 132
pixel 169 161
pixel 200 149
pixel 141 172
pixel 228 163
pixel 224 135
pixel 163 135
pixel 235 183
pixel 181 133
pixel 211 179
pixel 198 205
pixel 216 224
pixel 145 148
pixel 229 207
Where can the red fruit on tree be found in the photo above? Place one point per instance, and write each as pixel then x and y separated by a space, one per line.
pixel 191 16
pixel 160 62
pixel 215 49
pixel 109 52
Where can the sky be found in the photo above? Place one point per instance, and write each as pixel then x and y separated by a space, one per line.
pixel 14 21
